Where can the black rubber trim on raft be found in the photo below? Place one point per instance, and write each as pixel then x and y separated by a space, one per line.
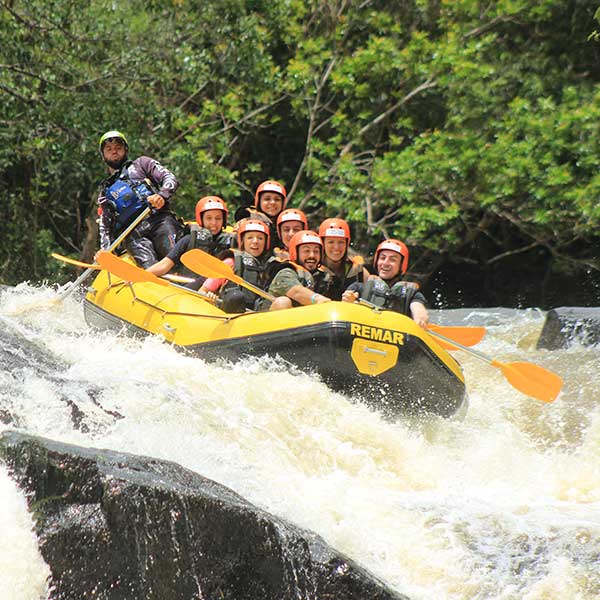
pixel 419 382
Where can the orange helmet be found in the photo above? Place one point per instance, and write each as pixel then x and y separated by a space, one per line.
pixel 247 225
pixel 210 203
pixel 335 228
pixel 303 237
pixel 270 186
pixel 394 246
pixel 291 214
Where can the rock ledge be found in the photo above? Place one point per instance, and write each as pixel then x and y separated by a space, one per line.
pixel 121 527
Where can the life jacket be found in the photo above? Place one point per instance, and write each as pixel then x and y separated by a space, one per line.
pixel 127 196
pixel 257 272
pixel 306 278
pixel 202 238
pixel 397 297
pixel 332 285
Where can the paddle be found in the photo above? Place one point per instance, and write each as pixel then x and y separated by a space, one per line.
pixel 465 335
pixel 78 263
pixel 468 336
pixel 128 272
pixel 62 295
pixel 526 377
pixel 204 264
pixel 75 262
pixel 44 303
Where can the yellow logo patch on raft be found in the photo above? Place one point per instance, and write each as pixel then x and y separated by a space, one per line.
pixel 376 333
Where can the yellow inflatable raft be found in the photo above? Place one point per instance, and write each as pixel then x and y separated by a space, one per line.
pixel 381 357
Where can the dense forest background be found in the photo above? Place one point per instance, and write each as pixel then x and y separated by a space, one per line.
pixel 467 129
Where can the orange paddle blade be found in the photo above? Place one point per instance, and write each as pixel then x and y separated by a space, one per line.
pixel 207 265
pixel 126 271
pixel 204 264
pixel 531 379
pixel 467 336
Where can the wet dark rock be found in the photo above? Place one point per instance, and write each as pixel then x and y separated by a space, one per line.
pixel 116 526
pixel 568 324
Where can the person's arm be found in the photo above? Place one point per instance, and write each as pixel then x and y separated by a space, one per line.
pixel 162 266
pixel 419 313
pixel 353 292
pixel 214 284
pixel 160 176
pixel 287 283
pixel 172 258
pixel 304 296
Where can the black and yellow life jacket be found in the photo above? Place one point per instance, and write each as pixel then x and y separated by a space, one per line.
pixel 397 297
pixel 256 271
pixel 202 238
pixel 331 285
pixel 306 278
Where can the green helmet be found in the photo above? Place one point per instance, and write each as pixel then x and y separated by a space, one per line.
pixel 113 134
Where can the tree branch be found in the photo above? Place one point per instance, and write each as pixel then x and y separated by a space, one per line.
pixel 314 111
pixel 503 255
pixel 489 25
pixel 229 126
pixel 552 249
pixel 21 71
pixel 384 115
pixel 20 97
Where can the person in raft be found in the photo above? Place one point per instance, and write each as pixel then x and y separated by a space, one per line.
pixel 253 262
pixel 289 222
pixel 132 186
pixel 386 289
pixel 294 285
pixel 207 233
pixel 270 199
pixel 338 270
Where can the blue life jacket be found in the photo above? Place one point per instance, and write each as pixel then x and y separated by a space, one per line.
pixel 127 197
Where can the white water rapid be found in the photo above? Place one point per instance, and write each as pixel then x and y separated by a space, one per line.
pixel 502 505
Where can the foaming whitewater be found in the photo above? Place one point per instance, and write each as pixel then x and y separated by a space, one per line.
pixel 504 504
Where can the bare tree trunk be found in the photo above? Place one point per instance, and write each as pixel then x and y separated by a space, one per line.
pixel 90 241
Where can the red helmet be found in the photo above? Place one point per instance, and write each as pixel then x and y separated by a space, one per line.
pixel 394 246
pixel 303 237
pixel 335 228
pixel 270 186
pixel 247 225
pixel 291 214
pixel 210 203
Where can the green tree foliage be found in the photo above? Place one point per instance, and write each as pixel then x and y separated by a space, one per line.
pixel 468 129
